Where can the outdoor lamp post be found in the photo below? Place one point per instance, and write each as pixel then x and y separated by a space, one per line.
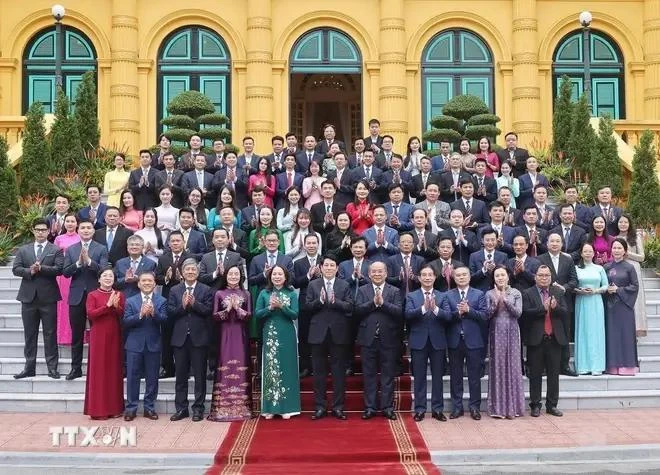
pixel 585 21
pixel 58 13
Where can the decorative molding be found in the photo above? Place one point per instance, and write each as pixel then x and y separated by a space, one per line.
pixel 395 126
pixel 372 66
pixel 527 57
pixel 392 23
pixel 239 65
pixel 259 23
pixel 526 92
pixel 259 92
pixel 524 24
pixel 125 21
pixel 121 55
pixel 527 126
pixel 651 25
pixel 145 65
pixel 124 90
pixel 393 57
pixel 412 66
pixel 651 93
pixel 545 66
pixel 8 64
pixel 259 126
pixel 392 92
pixel 637 67
pixel 505 66
pixel 125 125
pixel 258 56
pixel 279 65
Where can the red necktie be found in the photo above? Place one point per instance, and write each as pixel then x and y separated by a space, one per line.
pixel 290 179
pixel 547 324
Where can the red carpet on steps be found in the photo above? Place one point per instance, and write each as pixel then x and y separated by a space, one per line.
pixel 323 447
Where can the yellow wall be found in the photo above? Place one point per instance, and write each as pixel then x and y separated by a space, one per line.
pixel 391 35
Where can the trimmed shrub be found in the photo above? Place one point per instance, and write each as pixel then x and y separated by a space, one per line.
pixel 644 202
pixel 36 162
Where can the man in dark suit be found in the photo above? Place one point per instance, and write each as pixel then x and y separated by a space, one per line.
pixel 403 267
pixel 330 303
pixel 564 281
pixel 383 240
pixel 381 308
pixel 419 181
pixel 128 269
pixel 285 180
pixel 199 178
pixel 248 158
pixel 384 157
pixel 187 160
pixel 544 312
pixel 190 304
pixel 168 274
pixel 38 264
pixel 522 267
pixel 471 207
pixel 516 157
pixel 604 208
pixel 143 315
pixel 276 159
pixel 113 236
pixel 528 183
pixel 235 178
pixel 171 176
pixel 505 233
pixel 250 213
pixel 55 220
pixel 536 237
pixel 341 177
pixel 305 270
pixel 574 236
pixel 582 212
pixel 142 183
pixel 237 237
pixel 216 160
pixel 329 133
pixel 465 341
pixel 369 172
pixel 547 215
pixel 355 159
pixel 261 263
pixel 512 216
pixel 374 141
pixel 83 262
pixel 399 213
pixel 212 272
pixel 194 241
pixel 441 162
pixel 425 241
pixel 307 155
pixel 324 213
pixel 486 187
pixel 465 241
pixel 444 265
pixel 483 262
pixel 427 315
pixel 95 210
pixel 396 175
pixel 450 181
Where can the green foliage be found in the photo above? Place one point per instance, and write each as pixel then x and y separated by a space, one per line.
pixel 644 197
pixel 30 208
pixel 562 119
pixel 652 253
pixel 215 133
pixel 181 135
pixel 445 122
pixel 8 185
pixel 95 163
pixel 190 103
pixel 439 135
pixel 7 245
pixel 212 119
pixel 230 147
pixel 65 145
pixel 86 113
pixel 483 119
pixel 465 106
pixel 73 187
pixel 474 132
pixel 605 164
pixel 582 141
pixel 179 122
pixel 36 163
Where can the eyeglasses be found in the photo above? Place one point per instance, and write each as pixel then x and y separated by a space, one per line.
pixel 40 230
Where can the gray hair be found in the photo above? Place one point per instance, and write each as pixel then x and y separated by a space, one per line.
pixel 191 261
pixel 133 239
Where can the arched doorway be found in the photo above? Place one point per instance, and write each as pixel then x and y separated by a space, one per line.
pixel 326 85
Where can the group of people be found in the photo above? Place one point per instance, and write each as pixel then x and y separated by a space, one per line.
pixel 308 253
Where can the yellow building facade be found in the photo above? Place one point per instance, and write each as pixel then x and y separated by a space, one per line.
pixel 378 58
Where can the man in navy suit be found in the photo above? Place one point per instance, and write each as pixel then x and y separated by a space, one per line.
pixel 486 187
pixel 142 183
pixel 381 310
pixel 307 155
pixel 582 212
pixel 374 141
pixel 233 177
pixel 441 162
pixel 129 269
pixel 143 315
pixel 505 233
pixel 465 241
pixel 249 214
pixel 261 263
pixel 199 178
pixel 95 210
pixel 324 213
pixel 527 183
pixel 522 267
pixel 383 240
pixel 399 213
pixel 288 178
pixel 536 236
pixel 465 342
pixel 422 179
pixel 546 213
pixel 170 176
pixel 574 236
pixel 403 267
pixel 604 208
pixel 330 303
pixel 276 159
pixel 248 160
pixel 113 236
pixel 83 262
pixel 305 270
pixel 471 207
pixel 190 304
pixel 515 156
pixel 386 155
pixel 425 240
pixel 194 241
pixel 55 220
pixel 341 177
pixel 484 261
pixel 427 315
pixel 450 181
pixel 187 160
pixel 444 265
pixel 370 172
pixel 329 133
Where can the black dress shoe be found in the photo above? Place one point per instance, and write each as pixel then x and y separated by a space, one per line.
pixel 568 372
pixel 26 373
pixel 305 373
pixel 198 416
pixel 177 416
pixel 54 374
pixel 319 414
pixel 536 412
pixel 151 415
pixel 475 414
pixel 389 414
pixel 418 416
pixel 439 416
pixel 210 376
pixel 553 411
pixel 456 414
pixel 349 372
pixel 165 374
pixel 74 374
pixel 129 416
pixel 339 414
pixel 368 414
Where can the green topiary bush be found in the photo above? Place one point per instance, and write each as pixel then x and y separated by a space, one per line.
pixel 441 135
pixel 605 164
pixel 179 121
pixel 475 132
pixel 483 119
pixel 36 162
pixel 212 119
pixel 562 118
pixel 65 147
pixel 215 133
pixel 445 122
pixel 190 103
pixel 644 202
pixel 465 106
pixel 86 113
pixel 8 185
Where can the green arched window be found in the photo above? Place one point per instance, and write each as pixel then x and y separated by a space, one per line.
pixel 193 58
pixel 326 51
pixel 455 62
pixel 606 67
pixel 39 65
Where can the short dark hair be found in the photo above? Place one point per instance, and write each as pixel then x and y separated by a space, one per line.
pixel 108 208
pixel 144 150
pixel 221 230
pixel 387 136
pixel 92 185
pixel 247 137
pixel 511 133
pixel 374 121
pixel 465 181
pixel 329 182
pixel 186 209
pixel 357 239
pixel 427 266
pixel 39 221
pixel 495 204
pixel 394 186
pixel 277 137
pixel 258 189
pixel 331 257
pixel 312 235
pixel 565 205
pixel 489 230
pixel 290 134
pixel 540 185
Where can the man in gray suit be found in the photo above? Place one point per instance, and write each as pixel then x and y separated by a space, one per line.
pixel 83 262
pixel 38 264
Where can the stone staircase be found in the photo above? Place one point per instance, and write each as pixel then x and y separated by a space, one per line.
pixel 42 394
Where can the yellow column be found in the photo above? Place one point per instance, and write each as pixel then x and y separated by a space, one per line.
pixel 393 90
pixel 652 59
pixel 259 79
pixel 124 96
pixel 525 93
